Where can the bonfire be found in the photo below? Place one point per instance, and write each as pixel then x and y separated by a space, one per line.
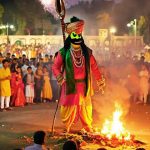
pixel 113 132
pixel 115 127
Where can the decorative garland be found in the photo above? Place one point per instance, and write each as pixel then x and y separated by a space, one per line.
pixel 77 60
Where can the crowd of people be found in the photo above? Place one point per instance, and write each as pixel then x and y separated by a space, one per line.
pixel 24 81
pixel 132 72
pixel 30 50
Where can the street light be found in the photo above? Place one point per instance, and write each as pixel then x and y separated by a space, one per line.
pixel 7 26
pixel 11 26
pixel 113 30
pixel 133 24
pixel 128 25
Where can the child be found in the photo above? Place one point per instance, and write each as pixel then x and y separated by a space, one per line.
pixel 46 90
pixel 29 86
pixel 144 84
pixel 38 84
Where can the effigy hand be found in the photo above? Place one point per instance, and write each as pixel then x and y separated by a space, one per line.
pixel 60 79
pixel 101 85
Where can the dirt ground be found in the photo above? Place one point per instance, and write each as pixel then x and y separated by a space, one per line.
pixel 17 125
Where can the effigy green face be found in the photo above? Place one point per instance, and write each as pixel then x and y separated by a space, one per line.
pixel 76 38
pixel 74 35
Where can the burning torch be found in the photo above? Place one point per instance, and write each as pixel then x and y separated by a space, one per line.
pixel 60 8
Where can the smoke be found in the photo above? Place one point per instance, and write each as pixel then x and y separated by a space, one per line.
pixel 88 10
pixel 104 105
pixel 120 85
pixel 49 5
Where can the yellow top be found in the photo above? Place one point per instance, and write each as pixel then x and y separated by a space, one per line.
pixel 33 53
pixel 5 89
pixel 46 59
pixel 147 57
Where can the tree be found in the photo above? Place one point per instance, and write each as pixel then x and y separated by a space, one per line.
pixel 147 31
pixel 31 11
pixel 104 20
pixel 141 25
pixel 21 24
pixel 1 16
pixel 1 13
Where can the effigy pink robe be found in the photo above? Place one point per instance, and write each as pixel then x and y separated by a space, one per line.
pixel 79 73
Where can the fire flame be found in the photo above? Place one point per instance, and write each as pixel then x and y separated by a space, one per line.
pixel 49 5
pixel 46 2
pixel 115 128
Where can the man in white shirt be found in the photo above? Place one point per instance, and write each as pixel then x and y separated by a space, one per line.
pixel 39 141
pixel 24 67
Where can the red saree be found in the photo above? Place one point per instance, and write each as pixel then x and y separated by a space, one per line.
pixel 17 88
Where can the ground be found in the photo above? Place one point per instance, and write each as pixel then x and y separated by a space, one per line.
pixel 17 125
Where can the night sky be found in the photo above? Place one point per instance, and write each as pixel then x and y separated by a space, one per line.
pixel 120 11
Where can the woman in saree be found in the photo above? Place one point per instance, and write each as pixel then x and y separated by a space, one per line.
pixel 17 87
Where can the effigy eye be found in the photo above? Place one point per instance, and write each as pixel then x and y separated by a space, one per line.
pixel 74 34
